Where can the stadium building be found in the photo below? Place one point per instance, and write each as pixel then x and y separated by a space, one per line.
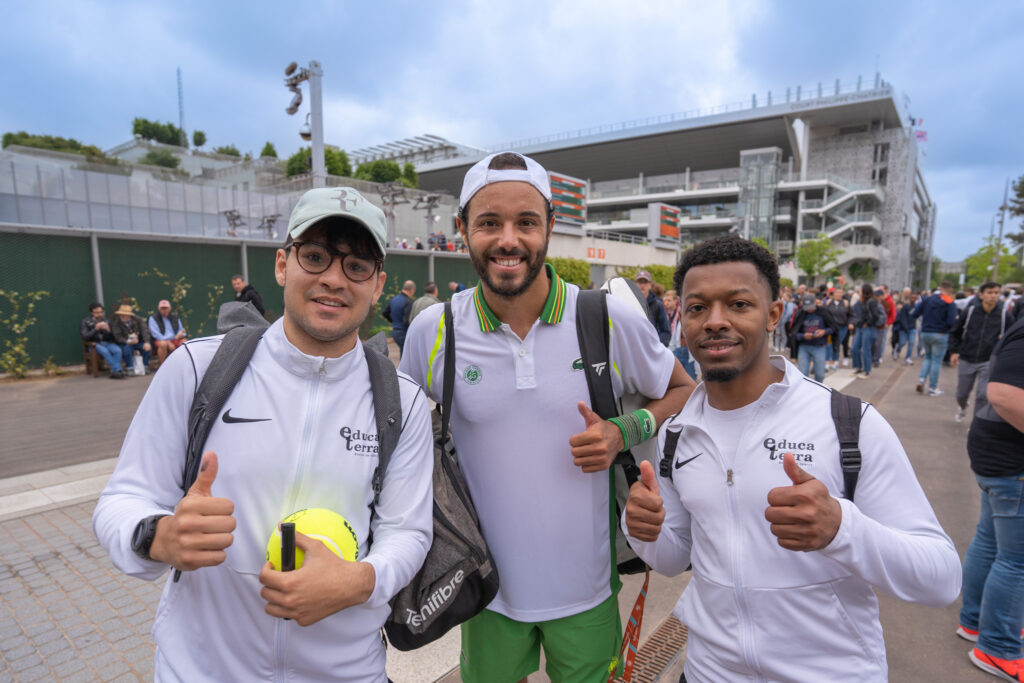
pixel 839 160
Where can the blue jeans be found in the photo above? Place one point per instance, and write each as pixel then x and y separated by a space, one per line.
pixel 111 354
pixel 934 344
pixel 804 354
pixel 683 354
pixel 863 340
pixel 832 350
pixel 128 350
pixel 993 588
pixel 906 339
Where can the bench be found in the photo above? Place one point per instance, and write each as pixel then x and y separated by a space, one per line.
pixel 97 367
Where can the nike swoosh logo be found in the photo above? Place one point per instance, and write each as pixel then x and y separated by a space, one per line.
pixel 680 464
pixel 227 418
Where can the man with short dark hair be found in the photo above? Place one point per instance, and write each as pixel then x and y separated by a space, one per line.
pixel 166 329
pixel 938 316
pixel 246 292
pixel 536 457
pixel 978 329
pixel 399 308
pixel 96 328
pixel 273 451
pixel 753 496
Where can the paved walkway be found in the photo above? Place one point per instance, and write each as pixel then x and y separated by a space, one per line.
pixel 67 614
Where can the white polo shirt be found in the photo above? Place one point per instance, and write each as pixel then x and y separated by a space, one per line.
pixel 514 410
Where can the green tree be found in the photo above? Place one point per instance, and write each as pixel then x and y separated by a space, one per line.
pixel 978 266
pixel 409 176
pixel 57 144
pixel 335 159
pixel 167 133
pixel 379 171
pixel 198 138
pixel 761 241
pixel 574 270
pixel 14 357
pixel 228 150
pixel 268 151
pixel 816 256
pixel 160 157
pixel 861 271
pixel 1016 210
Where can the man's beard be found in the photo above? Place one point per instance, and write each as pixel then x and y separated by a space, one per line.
pixel 533 268
pixel 721 374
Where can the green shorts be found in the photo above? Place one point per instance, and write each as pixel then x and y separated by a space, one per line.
pixel 578 648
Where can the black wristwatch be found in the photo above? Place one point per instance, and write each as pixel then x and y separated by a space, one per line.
pixel 142 537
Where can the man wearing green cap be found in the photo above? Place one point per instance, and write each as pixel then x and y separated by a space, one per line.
pixel 297 432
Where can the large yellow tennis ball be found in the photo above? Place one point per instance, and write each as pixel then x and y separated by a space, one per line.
pixel 326 526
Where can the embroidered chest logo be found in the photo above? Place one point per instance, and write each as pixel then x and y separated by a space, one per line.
pixel 359 442
pixel 577 364
pixel 803 451
pixel 472 374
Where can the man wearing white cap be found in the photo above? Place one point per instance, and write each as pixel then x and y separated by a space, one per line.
pixel 535 456
pixel 166 329
pixel 275 450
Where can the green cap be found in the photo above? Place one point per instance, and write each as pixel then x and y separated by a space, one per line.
pixel 343 202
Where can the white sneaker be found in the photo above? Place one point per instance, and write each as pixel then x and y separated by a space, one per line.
pixel 960 414
pixel 846 362
pixel 909 361
pixel 936 392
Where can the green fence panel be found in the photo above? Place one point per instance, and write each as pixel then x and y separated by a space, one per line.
pixel 61 266
pixel 129 270
pixel 261 276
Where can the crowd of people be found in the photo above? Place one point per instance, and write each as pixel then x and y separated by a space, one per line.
pixel 750 491
pixel 120 340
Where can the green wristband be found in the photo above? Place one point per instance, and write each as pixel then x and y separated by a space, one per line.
pixel 636 427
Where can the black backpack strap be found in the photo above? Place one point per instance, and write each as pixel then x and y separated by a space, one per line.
pixel 387 411
pixel 223 373
pixel 593 336
pixel 225 369
pixel 448 385
pixel 846 416
pixel 672 434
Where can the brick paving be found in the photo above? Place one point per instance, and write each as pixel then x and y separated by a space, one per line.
pixel 67 614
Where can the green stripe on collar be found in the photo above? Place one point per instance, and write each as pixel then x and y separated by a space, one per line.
pixel 554 306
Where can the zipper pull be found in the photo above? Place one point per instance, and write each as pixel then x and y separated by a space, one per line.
pixel 728 477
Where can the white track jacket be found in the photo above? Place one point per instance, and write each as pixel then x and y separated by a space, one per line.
pixel 297 432
pixel 758 612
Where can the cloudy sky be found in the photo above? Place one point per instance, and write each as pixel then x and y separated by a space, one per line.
pixel 482 73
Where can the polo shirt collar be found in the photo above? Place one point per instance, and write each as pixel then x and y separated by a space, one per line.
pixel 554 306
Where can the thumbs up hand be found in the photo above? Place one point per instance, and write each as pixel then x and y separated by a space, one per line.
pixel 594 449
pixel 200 528
pixel 323 585
pixel 645 509
pixel 803 516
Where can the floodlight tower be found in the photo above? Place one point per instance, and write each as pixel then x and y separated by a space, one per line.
pixel 294 77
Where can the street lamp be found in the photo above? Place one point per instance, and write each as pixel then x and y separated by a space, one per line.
pixel 314 126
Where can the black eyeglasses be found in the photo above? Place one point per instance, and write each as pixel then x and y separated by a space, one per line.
pixel 315 258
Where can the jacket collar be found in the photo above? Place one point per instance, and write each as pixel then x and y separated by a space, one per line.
pixel 694 410
pixel 298 363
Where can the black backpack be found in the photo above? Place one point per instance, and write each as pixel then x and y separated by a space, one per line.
pixel 458 578
pixel 243 327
